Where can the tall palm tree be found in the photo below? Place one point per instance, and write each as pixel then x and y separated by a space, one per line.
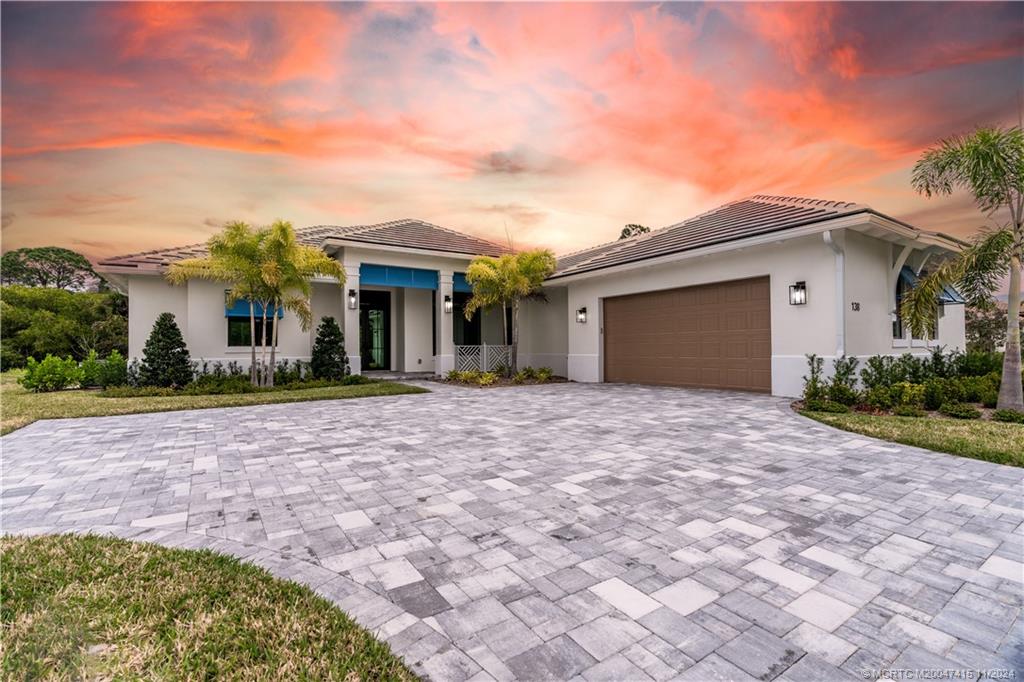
pixel 504 282
pixel 990 164
pixel 265 267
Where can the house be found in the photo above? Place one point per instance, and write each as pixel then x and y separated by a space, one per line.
pixel 730 299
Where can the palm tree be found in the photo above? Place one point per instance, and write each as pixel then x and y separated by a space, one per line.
pixel 504 282
pixel 265 266
pixel 990 164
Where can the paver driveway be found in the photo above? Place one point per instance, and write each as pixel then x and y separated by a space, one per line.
pixel 611 532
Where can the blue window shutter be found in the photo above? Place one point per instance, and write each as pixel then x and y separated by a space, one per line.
pixel 391 276
pixel 241 309
pixel 949 295
pixel 460 284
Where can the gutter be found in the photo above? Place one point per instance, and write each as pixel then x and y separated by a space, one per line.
pixel 840 292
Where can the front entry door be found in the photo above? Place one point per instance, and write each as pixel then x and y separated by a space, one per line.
pixel 375 329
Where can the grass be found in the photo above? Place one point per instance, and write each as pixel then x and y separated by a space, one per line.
pixel 19 407
pixel 90 607
pixel 979 439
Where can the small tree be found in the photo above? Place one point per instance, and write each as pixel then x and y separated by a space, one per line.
pixel 165 359
pixel 985 326
pixel 329 359
pixel 503 283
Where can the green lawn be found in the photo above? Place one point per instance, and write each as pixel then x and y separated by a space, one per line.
pixel 975 438
pixel 88 607
pixel 19 407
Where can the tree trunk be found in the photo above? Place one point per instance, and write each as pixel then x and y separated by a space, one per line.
pixel 1011 393
pixel 253 377
pixel 513 362
pixel 504 323
pixel 263 347
pixel 273 348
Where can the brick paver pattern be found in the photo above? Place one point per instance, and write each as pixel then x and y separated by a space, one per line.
pixel 569 531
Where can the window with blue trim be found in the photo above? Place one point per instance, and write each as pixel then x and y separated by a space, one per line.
pixel 238 331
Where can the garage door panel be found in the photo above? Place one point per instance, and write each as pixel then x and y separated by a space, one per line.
pixel 714 336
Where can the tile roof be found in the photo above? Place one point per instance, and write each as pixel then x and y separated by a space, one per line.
pixel 756 215
pixel 408 233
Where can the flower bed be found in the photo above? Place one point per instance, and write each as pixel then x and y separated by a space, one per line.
pixel 527 376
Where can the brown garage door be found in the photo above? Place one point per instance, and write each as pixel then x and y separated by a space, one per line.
pixel 709 336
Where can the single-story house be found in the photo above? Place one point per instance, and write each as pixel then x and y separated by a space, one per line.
pixel 730 299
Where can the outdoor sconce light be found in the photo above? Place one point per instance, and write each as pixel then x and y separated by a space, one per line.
pixel 447 304
pixel 353 300
pixel 581 315
pixel 798 293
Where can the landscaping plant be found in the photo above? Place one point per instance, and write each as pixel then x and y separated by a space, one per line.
pixel 989 163
pixel 92 369
pixel 51 374
pixel 165 359
pixel 504 282
pixel 329 360
pixel 1011 416
pixel 960 411
pixel 842 388
pixel 113 371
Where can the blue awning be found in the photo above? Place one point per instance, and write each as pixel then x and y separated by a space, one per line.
pixel 391 276
pixel 949 295
pixel 241 309
pixel 460 284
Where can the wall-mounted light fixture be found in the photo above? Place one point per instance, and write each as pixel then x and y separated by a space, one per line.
pixel 353 299
pixel 798 293
pixel 581 315
pixel 447 304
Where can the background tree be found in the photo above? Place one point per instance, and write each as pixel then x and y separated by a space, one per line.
pixel 165 358
pixel 329 360
pixel 985 326
pixel 633 229
pixel 504 282
pixel 990 164
pixel 47 266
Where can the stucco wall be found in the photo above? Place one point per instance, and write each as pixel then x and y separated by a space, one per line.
pixel 418 327
pixel 544 331
pixel 147 298
pixel 796 330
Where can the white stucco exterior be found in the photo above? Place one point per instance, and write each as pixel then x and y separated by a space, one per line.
pixel 849 265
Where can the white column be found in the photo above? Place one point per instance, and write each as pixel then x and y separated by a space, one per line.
pixel 351 325
pixel 444 361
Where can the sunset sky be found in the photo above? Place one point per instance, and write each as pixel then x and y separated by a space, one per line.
pixel 138 126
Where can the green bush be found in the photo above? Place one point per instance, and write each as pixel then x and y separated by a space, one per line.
pixel 879 397
pixel 114 371
pixel 165 360
pixel 51 374
pixel 979 363
pixel 529 373
pixel 814 381
pixel 544 374
pixel 842 388
pixel 908 411
pixel 1011 416
pixel 292 371
pixel 519 377
pixel 990 398
pixel 92 369
pixel 219 385
pixel 878 371
pixel 329 360
pixel 10 358
pixel 939 391
pixel 960 411
pixel 905 394
pixel 820 405
pixel 487 378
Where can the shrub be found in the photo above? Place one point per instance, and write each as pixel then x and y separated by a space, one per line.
pixel 356 380
pixel 544 374
pixel 519 377
pixel 820 405
pixel 91 369
pixel 470 376
pixel 905 394
pixel 165 360
pixel 529 373
pixel 879 397
pixel 908 411
pixel 1012 416
pixel 960 411
pixel 842 388
pixel 51 374
pixel 329 360
pixel 878 371
pixel 978 363
pixel 453 375
pixel 990 398
pixel 487 378
pixel 114 371
pixel 290 372
pixel 910 368
pixel 937 392
pixel 10 358
pixel 814 383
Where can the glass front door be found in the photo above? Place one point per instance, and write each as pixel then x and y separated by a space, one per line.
pixel 375 329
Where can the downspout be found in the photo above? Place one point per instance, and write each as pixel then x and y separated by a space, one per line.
pixel 840 292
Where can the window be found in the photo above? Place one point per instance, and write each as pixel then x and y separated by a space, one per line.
pixel 238 331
